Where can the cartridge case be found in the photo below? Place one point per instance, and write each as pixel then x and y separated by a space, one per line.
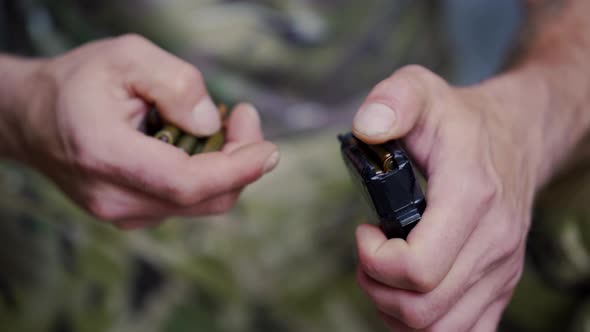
pixel 214 143
pixel 187 143
pixel 169 134
pixel 198 148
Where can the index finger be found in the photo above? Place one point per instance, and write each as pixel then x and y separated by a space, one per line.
pixel 456 203
pixel 175 86
pixel 168 173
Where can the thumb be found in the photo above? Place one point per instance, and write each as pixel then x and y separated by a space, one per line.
pixel 174 86
pixel 394 106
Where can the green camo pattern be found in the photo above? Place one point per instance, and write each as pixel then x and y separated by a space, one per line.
pixel 284 259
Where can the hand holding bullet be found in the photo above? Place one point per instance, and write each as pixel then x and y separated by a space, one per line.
pixel 190 144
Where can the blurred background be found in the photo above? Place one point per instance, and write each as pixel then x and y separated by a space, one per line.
pixel 284 258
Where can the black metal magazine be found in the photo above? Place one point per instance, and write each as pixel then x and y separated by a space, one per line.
pixel 387 180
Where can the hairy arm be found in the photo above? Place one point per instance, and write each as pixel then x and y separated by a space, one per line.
pixel 486 150
pixel 553 73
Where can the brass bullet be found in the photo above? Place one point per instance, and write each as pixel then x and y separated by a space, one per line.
pixel 385 158
pixel 169 134
pixel 214 143
pixel 217 140
pixel 187 143
pixel 198 148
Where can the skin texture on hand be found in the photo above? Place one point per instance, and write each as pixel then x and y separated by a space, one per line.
pixel 466 254
pixel 485 150
pixel 75 119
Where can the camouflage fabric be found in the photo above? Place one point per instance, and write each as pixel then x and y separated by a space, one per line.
pixel 283 260
pixel 555 289
pixel 305 64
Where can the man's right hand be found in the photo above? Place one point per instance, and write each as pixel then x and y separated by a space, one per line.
pixel 75 118
pixel 460 264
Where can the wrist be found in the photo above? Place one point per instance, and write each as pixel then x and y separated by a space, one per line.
pixel 564 116
pixel 555 65
pixel 542 110
pixel 20 94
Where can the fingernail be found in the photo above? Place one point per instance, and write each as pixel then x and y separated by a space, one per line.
pixel 374 120
pixel 207 119
pixel 272 162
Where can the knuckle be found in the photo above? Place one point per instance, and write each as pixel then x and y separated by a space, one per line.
pixel 188 80
pixel 184 196
pixel 186 193
pixel 382 87
pixel 487 195
pixel 91 158
pixel 484 191
pixel 132 40
pixel 421 280
pixel 417 275
pixel 416 72
pixel 179 190
pixel 513 240
pixel 506 234
pixel 83 155
pixel 416 316
pixel 102 209
pixel 420 78
pixel 371 266
pixel 412 86
pixel 507 240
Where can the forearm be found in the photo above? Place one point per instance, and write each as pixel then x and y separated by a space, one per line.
pixel 551 84
pixel 17 94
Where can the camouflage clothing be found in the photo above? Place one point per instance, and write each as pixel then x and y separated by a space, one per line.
pixel 554 292
pixel 283 260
